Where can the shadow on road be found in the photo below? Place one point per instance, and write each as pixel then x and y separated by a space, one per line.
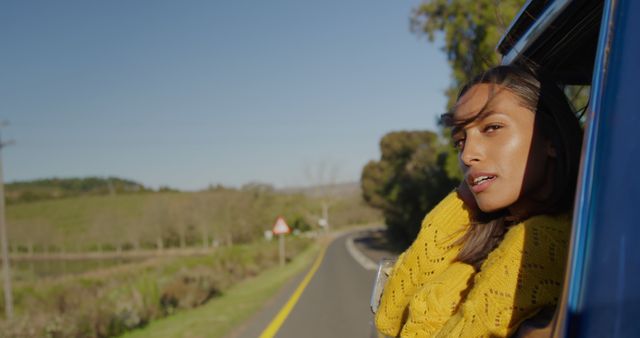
pixel 375 244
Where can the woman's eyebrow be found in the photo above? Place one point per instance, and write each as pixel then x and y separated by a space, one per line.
pixel 485 114
pixel 460 124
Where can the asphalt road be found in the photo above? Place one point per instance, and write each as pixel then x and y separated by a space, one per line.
pixel 334 304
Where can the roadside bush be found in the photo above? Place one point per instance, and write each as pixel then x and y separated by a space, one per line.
pixel 109 302
pixel 189 289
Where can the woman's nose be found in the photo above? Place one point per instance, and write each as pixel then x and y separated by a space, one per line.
pixel 471 152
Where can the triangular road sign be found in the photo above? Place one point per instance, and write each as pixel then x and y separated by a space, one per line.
pixel 281 227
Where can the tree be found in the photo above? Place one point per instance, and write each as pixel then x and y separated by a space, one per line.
pixel 471 30
pixel 407 182
pixel 157 220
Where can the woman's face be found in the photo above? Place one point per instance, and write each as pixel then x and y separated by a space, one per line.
pixel 504 161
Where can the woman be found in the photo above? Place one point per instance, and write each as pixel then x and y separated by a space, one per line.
pixel 492 254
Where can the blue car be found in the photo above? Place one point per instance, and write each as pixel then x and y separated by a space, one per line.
pixel 594 44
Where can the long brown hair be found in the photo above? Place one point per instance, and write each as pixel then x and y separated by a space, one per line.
pixel 558 124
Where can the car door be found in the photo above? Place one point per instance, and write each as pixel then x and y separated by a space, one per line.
pixel 595 43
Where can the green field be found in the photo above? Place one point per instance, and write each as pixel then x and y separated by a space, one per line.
pixel 218 317
pixel 171 219
pixel 203 295
pixel 66 221
pixel 114 300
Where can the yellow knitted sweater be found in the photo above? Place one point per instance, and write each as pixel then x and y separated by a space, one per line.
pixel 429 295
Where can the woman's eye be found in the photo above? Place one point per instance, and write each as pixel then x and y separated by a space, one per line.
pixel 492 127
pixel 458 143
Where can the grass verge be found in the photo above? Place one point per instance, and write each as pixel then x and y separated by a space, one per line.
pixel 111 301
pixel 217 317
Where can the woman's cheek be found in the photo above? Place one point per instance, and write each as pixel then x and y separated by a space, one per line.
pixel 509 156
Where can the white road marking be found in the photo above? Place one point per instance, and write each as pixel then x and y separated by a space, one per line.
pixel 359 257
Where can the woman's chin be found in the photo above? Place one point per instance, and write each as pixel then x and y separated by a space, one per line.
pixel 488 206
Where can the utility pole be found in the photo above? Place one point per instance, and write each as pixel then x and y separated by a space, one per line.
pixel 325 213
pixel 323 179
pixel 6 270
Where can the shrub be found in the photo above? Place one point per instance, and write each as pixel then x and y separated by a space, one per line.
pixel 109 302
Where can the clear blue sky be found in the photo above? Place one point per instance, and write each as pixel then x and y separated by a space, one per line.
pixel 191 93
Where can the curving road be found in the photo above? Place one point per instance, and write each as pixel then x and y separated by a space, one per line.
pixel 334 304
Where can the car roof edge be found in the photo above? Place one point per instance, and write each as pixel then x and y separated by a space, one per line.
pixel 533 32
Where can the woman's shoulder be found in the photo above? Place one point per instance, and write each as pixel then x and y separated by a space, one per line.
pixel 555 227
pixel 542 238
pixel 451 211
pixel 444 224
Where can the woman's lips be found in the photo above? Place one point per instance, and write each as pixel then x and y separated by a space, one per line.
pixel 483 185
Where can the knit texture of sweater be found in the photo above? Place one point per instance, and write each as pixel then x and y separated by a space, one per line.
pixel 430 295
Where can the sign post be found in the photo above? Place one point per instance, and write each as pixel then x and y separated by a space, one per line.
pixel 280 228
